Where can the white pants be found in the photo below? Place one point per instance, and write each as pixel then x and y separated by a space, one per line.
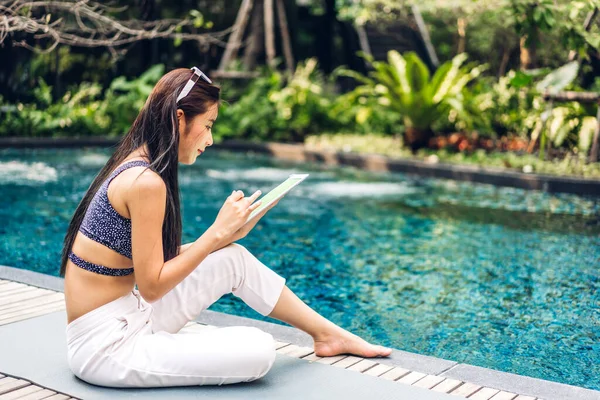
pixel 132 343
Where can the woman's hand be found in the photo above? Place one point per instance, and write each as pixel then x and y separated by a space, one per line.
pixel 245 229
pixel 234 213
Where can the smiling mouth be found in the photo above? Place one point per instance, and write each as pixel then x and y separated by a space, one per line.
pixel 199 151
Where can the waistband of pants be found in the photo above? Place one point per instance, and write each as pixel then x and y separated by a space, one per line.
pixel 97 316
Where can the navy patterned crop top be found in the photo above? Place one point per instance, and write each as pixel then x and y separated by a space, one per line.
pixel 103 224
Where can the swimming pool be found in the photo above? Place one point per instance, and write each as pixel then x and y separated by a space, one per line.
pixel 496 277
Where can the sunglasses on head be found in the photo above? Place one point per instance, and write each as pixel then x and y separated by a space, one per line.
pixel 196 74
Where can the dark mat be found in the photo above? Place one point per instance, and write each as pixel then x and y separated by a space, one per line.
pixel 35 350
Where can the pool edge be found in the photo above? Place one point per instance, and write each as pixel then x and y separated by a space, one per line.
pixel 366 161
pixel 510 382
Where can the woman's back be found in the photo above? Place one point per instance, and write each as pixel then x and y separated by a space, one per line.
pixel 99 269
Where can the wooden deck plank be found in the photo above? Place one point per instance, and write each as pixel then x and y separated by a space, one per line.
pixel 312 357
pixel 411 378
pixel 301 352
pixel 33 302
pixel 58 396
pixel 446 386
pixel 395 373
pixel 6 314
pixel 24 296
pixel 24 289
pixel 11 285
pixel 12 386
pixel 42 394
pixel 331 360
pixel 32 314
pixel 429 381
pixel 6 380
pixel 16 394
pixel 287 349
pixel 465 390
pixel 363 366
pixel 379 370
pixel 485 393
pixel 502 395
pixel 279 345
pixel 296 351
pixel 347 362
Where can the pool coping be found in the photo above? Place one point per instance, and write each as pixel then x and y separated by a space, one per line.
pixel 367 161
pixel 431 365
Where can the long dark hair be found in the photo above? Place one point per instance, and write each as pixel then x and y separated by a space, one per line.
pixel 156 126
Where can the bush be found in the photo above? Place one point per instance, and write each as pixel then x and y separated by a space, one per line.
pixel 276 108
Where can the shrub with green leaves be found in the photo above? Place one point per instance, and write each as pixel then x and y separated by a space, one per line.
pixel 405 85
pixel 124 99
pixel 78 112
pixel 276 108
pixel 514 105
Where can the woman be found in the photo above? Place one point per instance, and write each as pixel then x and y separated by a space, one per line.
pixel 127 231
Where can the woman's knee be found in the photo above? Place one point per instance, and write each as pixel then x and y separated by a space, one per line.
pixel 262 349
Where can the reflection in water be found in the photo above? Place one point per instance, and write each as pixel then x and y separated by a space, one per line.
pixel 497 277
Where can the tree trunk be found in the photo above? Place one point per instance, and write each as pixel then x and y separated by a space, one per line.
pixel 504 62
pixel 256 45
pixel 235 39
pixel 416 138
pixel 461 24
pixel 363 39
pixel 528 54
pixel 285 36
pixel 269 33
pixel 425 35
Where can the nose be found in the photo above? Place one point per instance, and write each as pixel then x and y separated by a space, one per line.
pixel 210 141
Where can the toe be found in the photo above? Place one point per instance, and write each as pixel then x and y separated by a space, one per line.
pixel 384 351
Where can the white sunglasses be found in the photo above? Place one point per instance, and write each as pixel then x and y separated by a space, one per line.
pixel 191 82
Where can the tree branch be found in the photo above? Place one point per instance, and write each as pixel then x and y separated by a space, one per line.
pixel 85 23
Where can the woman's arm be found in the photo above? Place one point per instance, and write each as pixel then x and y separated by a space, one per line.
pixel 184 247
pixel 146 201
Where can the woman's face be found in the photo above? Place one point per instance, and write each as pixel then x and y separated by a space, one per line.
pixel 196 135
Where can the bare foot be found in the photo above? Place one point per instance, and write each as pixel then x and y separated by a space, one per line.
pixel 344 342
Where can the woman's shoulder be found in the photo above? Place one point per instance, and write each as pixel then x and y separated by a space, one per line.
pixel 142 181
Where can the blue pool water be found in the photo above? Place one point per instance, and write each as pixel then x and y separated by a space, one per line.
pixel 495 277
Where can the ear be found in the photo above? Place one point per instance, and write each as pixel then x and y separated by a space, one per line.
pixel 181 120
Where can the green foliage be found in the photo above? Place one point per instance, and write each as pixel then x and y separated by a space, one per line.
pixel 302 103
pixel 81 111
pixel 559 79
pixel 124 99
pixel 404 85
pixel 275 109
pixel 78 112
pixel 514 105
pixel 251 116
pixel 358 111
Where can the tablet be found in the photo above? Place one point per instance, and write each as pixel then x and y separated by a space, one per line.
pixel 277 193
